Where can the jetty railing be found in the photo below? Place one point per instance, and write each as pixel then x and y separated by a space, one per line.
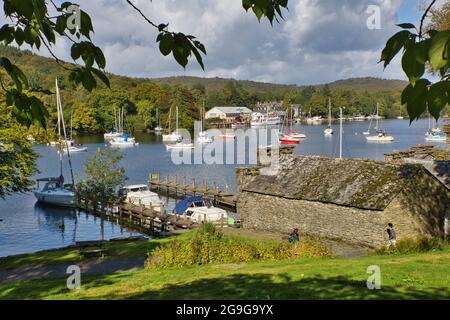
pixel 176 187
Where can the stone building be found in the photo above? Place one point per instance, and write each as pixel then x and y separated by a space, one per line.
pixel 351 200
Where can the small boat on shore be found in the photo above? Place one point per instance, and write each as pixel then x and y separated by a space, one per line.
pixel 200 209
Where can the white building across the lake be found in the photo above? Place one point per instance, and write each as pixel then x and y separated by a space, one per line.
pixel 229 114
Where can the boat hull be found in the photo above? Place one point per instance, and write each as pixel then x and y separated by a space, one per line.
pixel 61 199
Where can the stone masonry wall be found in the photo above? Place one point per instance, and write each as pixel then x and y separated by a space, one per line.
pixel 270 213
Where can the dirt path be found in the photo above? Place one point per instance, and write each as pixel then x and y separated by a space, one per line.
pixel 88 267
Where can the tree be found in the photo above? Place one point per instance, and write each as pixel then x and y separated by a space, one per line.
pixel 420 49
pixel 103 176
pixel 17 158
pixel 85 119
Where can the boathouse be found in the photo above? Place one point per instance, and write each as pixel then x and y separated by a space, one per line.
pixel 349 199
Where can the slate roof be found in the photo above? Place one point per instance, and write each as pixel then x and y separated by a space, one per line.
pixel 364 184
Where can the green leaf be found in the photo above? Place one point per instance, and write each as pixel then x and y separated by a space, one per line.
pixel 439 50
pixel 102 76
pixel 438 97
pixel 415 97
pixel 166 43
pixel 410 64
pixel 406 26
pixel 393 46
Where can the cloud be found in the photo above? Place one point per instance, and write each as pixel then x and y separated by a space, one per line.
pixel 319 41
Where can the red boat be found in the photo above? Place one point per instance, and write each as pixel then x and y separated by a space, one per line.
pixel 289 140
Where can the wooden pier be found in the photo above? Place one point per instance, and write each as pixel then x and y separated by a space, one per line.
pixel 177 188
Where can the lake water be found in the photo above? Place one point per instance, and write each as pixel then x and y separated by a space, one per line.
pixel 27 227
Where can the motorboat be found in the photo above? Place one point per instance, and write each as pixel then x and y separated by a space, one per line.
pixel 226 136
pixel 437 137
pixel 200 209
pixel 259 119
pixel 140 194
pixel 180 146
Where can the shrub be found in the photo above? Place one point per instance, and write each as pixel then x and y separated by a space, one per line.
pixel 416 245
pixel 208 245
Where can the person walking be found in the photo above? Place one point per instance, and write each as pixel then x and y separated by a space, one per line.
pixel 392 235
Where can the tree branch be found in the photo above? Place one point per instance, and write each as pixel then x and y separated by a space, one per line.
pixel 143 15
pixel 424 16
pixel 51 52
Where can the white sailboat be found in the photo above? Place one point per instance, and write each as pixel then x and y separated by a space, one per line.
pixel 329 130
pixel 73 148
pixel 124 140
pixel 400 117
pixel 115 133
pixel 158 129
pixel 180 144
pixel 174 136
pixel 435 134
pixel 54 191
pixel 203 136
pixel 381 135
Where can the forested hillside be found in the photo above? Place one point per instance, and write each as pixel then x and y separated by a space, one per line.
pixel 141 98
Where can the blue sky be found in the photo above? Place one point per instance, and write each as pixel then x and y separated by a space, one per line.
pixel 409 12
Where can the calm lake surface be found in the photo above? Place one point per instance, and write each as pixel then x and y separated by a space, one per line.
pixel 27 227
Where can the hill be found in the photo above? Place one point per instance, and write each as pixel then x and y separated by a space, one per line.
pixel 370 84
pixel 44 69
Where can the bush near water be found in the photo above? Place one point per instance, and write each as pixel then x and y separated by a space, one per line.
pixel 209 245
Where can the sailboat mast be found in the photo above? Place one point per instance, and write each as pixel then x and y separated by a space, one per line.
pixel 59 129
pixel 64 131
pixel 177 121
pixel 340 135
pixel 329 112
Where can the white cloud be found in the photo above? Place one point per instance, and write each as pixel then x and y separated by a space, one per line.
pixel 320 41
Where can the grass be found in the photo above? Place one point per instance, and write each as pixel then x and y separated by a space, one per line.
pixel 65 255
pixel 412 276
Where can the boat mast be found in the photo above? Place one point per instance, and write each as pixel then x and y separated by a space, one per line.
pixel 116 127
pixel 340 135
pixel 59 129
pixel 329 112
pixel 177 121
pixel 64 131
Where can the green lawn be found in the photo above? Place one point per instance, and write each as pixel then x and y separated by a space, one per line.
pixel 64 255
pixel 415 276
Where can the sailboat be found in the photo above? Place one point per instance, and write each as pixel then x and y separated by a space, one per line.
pixel 400 117
pixel 115 133
pixel 381 135
pixel 174 136
pixel 158 129
pixel 203 136
pixel 296 134
pixel 435 134
pixel 179 142
pixel 55 192
pixel 124 140
pixel 73 148
pixel 329 131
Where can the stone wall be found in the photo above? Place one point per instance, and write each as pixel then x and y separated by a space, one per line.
pixel 263 212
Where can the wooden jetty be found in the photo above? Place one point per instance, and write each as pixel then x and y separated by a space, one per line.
pixel 178 188
pixel 147 220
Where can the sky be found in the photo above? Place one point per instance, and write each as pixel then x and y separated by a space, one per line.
pixel 319 41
